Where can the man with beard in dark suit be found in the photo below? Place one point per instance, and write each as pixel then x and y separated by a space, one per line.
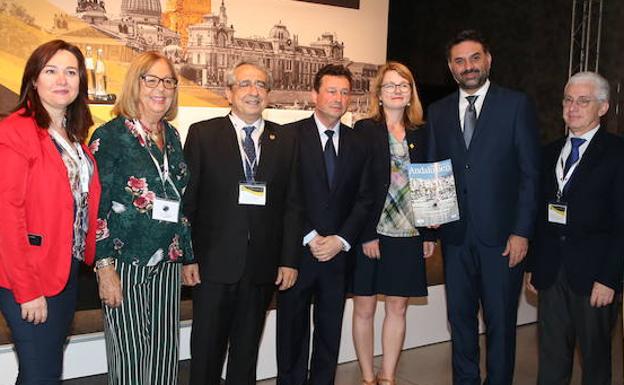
pixel 490 134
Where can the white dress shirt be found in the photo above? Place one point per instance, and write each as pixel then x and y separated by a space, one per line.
pixel 565 152
pixel 239 124
pixel 321 129
pixel 463 102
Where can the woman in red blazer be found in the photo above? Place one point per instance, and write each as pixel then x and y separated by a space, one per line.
pixel 49 195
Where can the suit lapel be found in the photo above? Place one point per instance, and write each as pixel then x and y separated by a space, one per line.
pixel 268 150
pixel 344 152
pixel 455 124
pixel 52 153
pixel 412 145
pixel 231 148
pixel 489 105
pixel 312 142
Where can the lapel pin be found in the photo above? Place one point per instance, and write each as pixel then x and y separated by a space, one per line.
pixel 272 136
pixel 411 146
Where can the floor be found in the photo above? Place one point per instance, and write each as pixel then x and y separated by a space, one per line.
pixel 431 365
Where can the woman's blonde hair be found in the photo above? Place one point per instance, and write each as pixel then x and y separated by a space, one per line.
pixel 413 116
pixel 129 101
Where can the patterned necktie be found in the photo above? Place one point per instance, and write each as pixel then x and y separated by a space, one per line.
pixel 329 154
pixel 470 119
pixel 250 150
pixel 574 154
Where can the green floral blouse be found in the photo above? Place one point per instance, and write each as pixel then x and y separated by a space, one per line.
pixel 130 182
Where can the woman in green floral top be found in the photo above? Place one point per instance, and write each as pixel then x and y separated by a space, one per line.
pixel 142 235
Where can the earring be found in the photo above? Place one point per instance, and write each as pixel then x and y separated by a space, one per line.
pixel 380 103
pixel 409 104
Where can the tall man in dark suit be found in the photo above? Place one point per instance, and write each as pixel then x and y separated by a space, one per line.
pixel 243 202
pixel 490 134
pixel 577 257
pixel 333 170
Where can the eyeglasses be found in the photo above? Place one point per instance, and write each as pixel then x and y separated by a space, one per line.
pixel 152 81
pixel 392 87
pixel 581 101
pixel 259 84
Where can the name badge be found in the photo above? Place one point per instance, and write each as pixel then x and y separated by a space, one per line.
pixel 165 210
pixel 252 194
pixel 557 213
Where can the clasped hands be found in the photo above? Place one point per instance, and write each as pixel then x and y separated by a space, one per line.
pixel 325 248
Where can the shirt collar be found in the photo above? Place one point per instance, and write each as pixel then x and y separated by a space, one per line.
pixel 239 123
pixel 322 128
pixel 587 136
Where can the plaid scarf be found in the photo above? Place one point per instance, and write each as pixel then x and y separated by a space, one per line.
pixel 396 218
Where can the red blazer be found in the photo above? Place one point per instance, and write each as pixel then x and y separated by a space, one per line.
pixel 37 211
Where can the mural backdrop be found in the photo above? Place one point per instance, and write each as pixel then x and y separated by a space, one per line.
pixel 204 38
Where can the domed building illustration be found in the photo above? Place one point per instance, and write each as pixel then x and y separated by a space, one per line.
pixel 213 48
pixel 139 26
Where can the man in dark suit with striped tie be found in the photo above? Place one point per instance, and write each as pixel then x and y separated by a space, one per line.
pixel 243 201
pixel 337 198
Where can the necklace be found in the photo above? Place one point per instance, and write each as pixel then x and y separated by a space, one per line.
pixel 154 134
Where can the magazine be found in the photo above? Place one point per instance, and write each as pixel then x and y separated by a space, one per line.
pixel 434 197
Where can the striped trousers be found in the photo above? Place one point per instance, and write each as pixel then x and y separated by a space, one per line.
pixel 142 335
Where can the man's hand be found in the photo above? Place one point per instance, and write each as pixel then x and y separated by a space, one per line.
pixel 109 286
pixel 315 243
pixel 286 277
pixel 516 249
pixel 601 295
pixel 328 248
pixel 35 311
pixel 527 283
pixel 190 274
pixel 371 249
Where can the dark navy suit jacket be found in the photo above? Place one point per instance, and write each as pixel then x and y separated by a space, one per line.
pixel 342 210
pixel 497 177
pixel 590 247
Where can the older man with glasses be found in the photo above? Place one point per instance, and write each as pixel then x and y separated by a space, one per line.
pixel 578 252
pixel 243 205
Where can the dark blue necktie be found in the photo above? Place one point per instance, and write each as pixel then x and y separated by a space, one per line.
pixel 470 119
pixel 250 150
pixel 330 157
pixel 574 154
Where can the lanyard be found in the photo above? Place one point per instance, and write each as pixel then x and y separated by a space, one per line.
pixel 251 165
pixel 163 172
pixel 564 179
pixel 77 155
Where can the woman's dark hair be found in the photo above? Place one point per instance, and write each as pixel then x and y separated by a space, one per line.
pixel 78 116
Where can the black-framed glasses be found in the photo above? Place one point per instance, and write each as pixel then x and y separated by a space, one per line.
pixel 152 81
pixel 392 87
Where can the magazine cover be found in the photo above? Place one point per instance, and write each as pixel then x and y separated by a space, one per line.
pixel 434 198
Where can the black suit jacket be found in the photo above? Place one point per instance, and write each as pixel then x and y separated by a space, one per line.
pixel 344 209
pixel 226 235
pixel 497 178
pixel 376 134
pixel 590 247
